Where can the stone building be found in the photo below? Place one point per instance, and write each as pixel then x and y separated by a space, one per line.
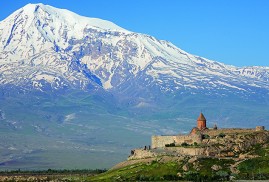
pixel 195 136
pixel 203 141
pixel 201 125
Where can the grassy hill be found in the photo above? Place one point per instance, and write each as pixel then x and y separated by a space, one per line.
pixel 164 168
pixel 170 168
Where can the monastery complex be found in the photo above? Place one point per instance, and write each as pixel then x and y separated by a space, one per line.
pixel 204 141
pixel 196 135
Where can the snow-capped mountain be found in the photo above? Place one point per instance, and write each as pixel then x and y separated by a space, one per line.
pixel 43 47
pixel 71 84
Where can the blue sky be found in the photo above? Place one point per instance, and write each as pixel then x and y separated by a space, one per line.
pixel 230 31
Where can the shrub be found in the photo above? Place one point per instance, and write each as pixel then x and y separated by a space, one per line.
pixel 170 145
pixel 222 175
pixel 191 175
pixel 170 177
pixel 142 177
pixel 222 135
pixel 205 136
pixel 184 144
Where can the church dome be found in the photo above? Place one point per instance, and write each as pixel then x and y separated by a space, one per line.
pixel 201 117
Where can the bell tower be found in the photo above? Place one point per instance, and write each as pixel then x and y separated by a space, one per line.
pixel 201 122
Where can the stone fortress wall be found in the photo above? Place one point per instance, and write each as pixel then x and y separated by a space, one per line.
pixel 141 154
pixel 161 141
pixel 211 132
pixel 189 139
pixel 186 151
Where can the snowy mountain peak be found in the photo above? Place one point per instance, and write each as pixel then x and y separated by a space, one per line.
pixel 72 18
pixel 46 47
pixel 53 23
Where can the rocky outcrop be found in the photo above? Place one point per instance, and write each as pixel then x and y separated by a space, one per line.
pixel 234 144
pixel 216 167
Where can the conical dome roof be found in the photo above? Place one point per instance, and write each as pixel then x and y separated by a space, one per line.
pixel 201 117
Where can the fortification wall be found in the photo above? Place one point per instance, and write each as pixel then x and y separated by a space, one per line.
pixel 228 131
pixel 141 154
pixel 160 141
pixel 186 151
pixel 144 154
pixel 260 128
pixel 190 139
